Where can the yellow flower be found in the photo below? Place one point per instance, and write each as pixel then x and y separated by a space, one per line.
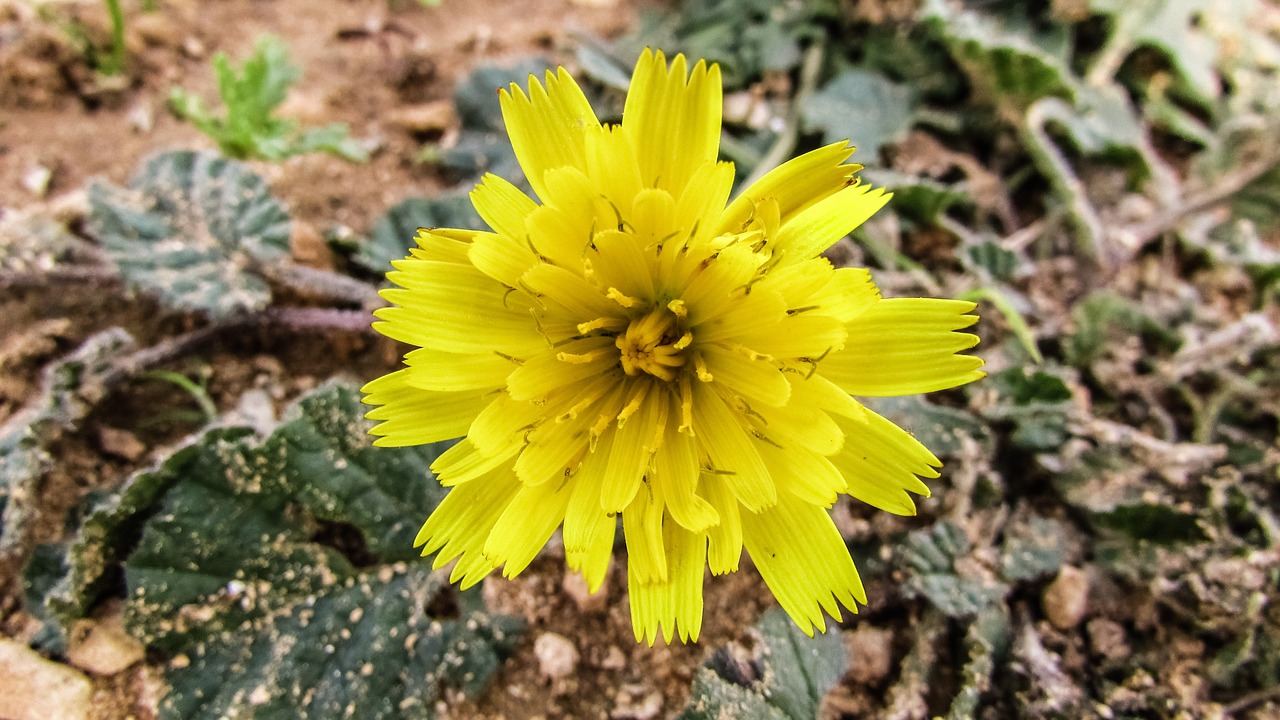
pixel 636 345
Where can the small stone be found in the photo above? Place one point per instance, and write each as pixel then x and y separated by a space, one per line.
pixel 557 655
pixel 1066 599
pixel 637 702
pixel 121 443
pixel 431 117
pixel 870 654
pixel 32 688
pixel 36 180
pixel 308 246
pixel 103 647
pixel 142 117
pixel 614 659
pixel 1108 639
pixel 575 586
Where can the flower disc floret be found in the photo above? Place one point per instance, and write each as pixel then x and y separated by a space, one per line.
pixel 633 345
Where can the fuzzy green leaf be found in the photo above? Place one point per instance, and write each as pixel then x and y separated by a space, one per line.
pixel 864 107
pixel 929 556
pixel 784 678
pixel 191 228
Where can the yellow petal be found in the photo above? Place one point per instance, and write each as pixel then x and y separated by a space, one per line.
pixel 807 475
pixel 881 461
pixel 676 473
pixel 612 166
pixel 503 206
pixel 642 529
pixel 588 529
pixel 724 540
pixel 731 449
pixel 755 378
pixel 803 560
pixel 505 421
pixel 443 371
pixel 905 346
pixel 551 370
pixel 412 416
pixel 464 462
pixel 462 522
pixel 820 225
pixel 675 604
pixel 526 526
pixel 795 185
pixel 547 127
pixel 672 119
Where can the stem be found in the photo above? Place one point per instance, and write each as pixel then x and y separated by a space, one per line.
pixel 323 284
pixel 1053 164
pixel 1223 190
pixel 115 66
pixel 782 148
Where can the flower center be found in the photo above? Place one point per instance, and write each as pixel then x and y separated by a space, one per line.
pixel 653 344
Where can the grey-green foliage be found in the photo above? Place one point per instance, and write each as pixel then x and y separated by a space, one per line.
pixel 929 555
pixel 393 234
pixel 784 677
pixel 1034 547
pixel 483 146
pixel 944 430
pixel 69 390
pixel 916 198
pixel 1037 403
pixel 987 642
pixel 193 228
pixel 272 572
pixel 748 38
pixel 1174 28
pixel 1009 61
pixel 1103 313
pixel 251 94
pixel 863 106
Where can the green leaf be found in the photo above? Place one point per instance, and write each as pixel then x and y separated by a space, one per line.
pixel 251 95
pixel 69 390
pixel 1152 522
pixel 987 641
pixel 919 199
pixel 929 556
pixel 784 678
pixel 1103 314
pixel 1174 28
pixel 1034 547
pixel 393 234
pixel 749 37
pixel 1009 61
pixel 273 573
pixel 192 228
pixel 1000 263
pixel 861 106
pixel 1038 404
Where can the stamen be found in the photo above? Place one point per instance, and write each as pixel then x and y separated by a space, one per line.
pixel 625 301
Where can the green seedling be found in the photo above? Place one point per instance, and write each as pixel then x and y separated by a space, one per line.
pixel 251 94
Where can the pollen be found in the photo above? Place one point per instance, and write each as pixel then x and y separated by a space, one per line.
pixel 653 344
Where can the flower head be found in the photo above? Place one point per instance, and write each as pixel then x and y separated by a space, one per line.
pixel 633 344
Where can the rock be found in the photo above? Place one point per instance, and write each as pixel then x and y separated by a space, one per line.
pixel 36 180
pixel 613 659
pixel 1108 639
pixel 425 118
pixel 637 702
pixel 870 654
pixel 575 586
pixel 1066 599
pixel 32 688
pixel 103 647
pixel 308 246
pixel 121 443
pixel 557 655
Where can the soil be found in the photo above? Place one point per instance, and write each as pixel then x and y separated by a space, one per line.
pixel 364 60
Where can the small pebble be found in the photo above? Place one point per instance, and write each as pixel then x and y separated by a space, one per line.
pixel 575 586
pixel 557 656
pixel 1066 599
pixel 637 702
pixel 103 647
pixel 33 688
pixel 121 443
